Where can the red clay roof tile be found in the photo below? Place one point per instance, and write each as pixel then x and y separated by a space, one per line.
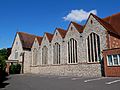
pixel 26 40
pixel 62 32
pixel 78 26
pixel 49 36
pixel 39 39
pixel 114 21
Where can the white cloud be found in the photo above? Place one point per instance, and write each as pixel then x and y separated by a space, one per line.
pixel 79 15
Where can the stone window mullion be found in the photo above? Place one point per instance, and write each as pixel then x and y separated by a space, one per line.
pixel 90 49
pixel 57 53
pixel 76 51
pixel 93 47
pixel 74 58
pixel 70 51
pixel 96 48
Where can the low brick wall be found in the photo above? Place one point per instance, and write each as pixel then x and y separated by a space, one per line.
pixel 82 70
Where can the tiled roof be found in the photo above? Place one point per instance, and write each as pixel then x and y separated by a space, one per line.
pixel 39 39
pixel 62 32
pixel 49 36
pixel 114 21
pixel 26 40
pixel 111 23
pixel 78 26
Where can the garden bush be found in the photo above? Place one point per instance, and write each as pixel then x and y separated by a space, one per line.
pixel 15 69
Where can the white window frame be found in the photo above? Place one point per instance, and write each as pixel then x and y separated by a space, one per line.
pixel 113 64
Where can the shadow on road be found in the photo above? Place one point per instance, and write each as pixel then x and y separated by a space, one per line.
pixel 3 84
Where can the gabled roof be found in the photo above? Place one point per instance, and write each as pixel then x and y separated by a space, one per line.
pixel 39 39
pixel 49 36
pixel 26 40
pixel 110 26
pixel 114 21
pixel 62 32
pixel 78 26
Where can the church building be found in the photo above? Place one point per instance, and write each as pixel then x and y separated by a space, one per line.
pixel 89 50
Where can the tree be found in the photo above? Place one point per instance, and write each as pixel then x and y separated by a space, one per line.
pixel 3 57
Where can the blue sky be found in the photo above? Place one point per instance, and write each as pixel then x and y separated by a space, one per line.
pixel 39 16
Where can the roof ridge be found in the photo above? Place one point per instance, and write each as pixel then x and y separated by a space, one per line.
pixel 76 23
pixel 27 33
pixel 48 33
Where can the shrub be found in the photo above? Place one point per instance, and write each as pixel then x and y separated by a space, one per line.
pixel 15 69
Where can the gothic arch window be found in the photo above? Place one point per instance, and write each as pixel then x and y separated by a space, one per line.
pixel 93 43
pixel 56 53
pixel 16 54
pixel 34 56
pixel 72 51
pixel 44 55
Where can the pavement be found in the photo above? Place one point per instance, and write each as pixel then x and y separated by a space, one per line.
pixel 45 82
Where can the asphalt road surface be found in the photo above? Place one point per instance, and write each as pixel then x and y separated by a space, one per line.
pixel 40 82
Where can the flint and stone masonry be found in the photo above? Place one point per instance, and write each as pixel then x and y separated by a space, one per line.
pixel 76 51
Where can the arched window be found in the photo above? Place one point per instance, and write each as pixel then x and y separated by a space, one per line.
pixel 16 54
pixel 35 56
pixel 72 51
pixel 93 43
pixel 44 55
pixel 56 53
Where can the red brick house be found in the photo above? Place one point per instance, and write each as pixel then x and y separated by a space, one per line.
pixel 112 54
pixel 112 62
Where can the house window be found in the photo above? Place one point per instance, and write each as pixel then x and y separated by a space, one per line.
pixel 16 54
pixel 56 53
pixel 35 56
pixel 110 60
pixel 93 43
pixel 113 60
pixel 44 55
pixel 72 51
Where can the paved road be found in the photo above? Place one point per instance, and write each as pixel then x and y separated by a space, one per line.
pixel 39 82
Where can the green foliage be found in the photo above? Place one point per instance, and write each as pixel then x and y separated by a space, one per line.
pixel 15 69
pixel 3 57
pixel 3 54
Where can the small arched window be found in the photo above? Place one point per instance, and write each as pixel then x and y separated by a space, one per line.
pixel 16 54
